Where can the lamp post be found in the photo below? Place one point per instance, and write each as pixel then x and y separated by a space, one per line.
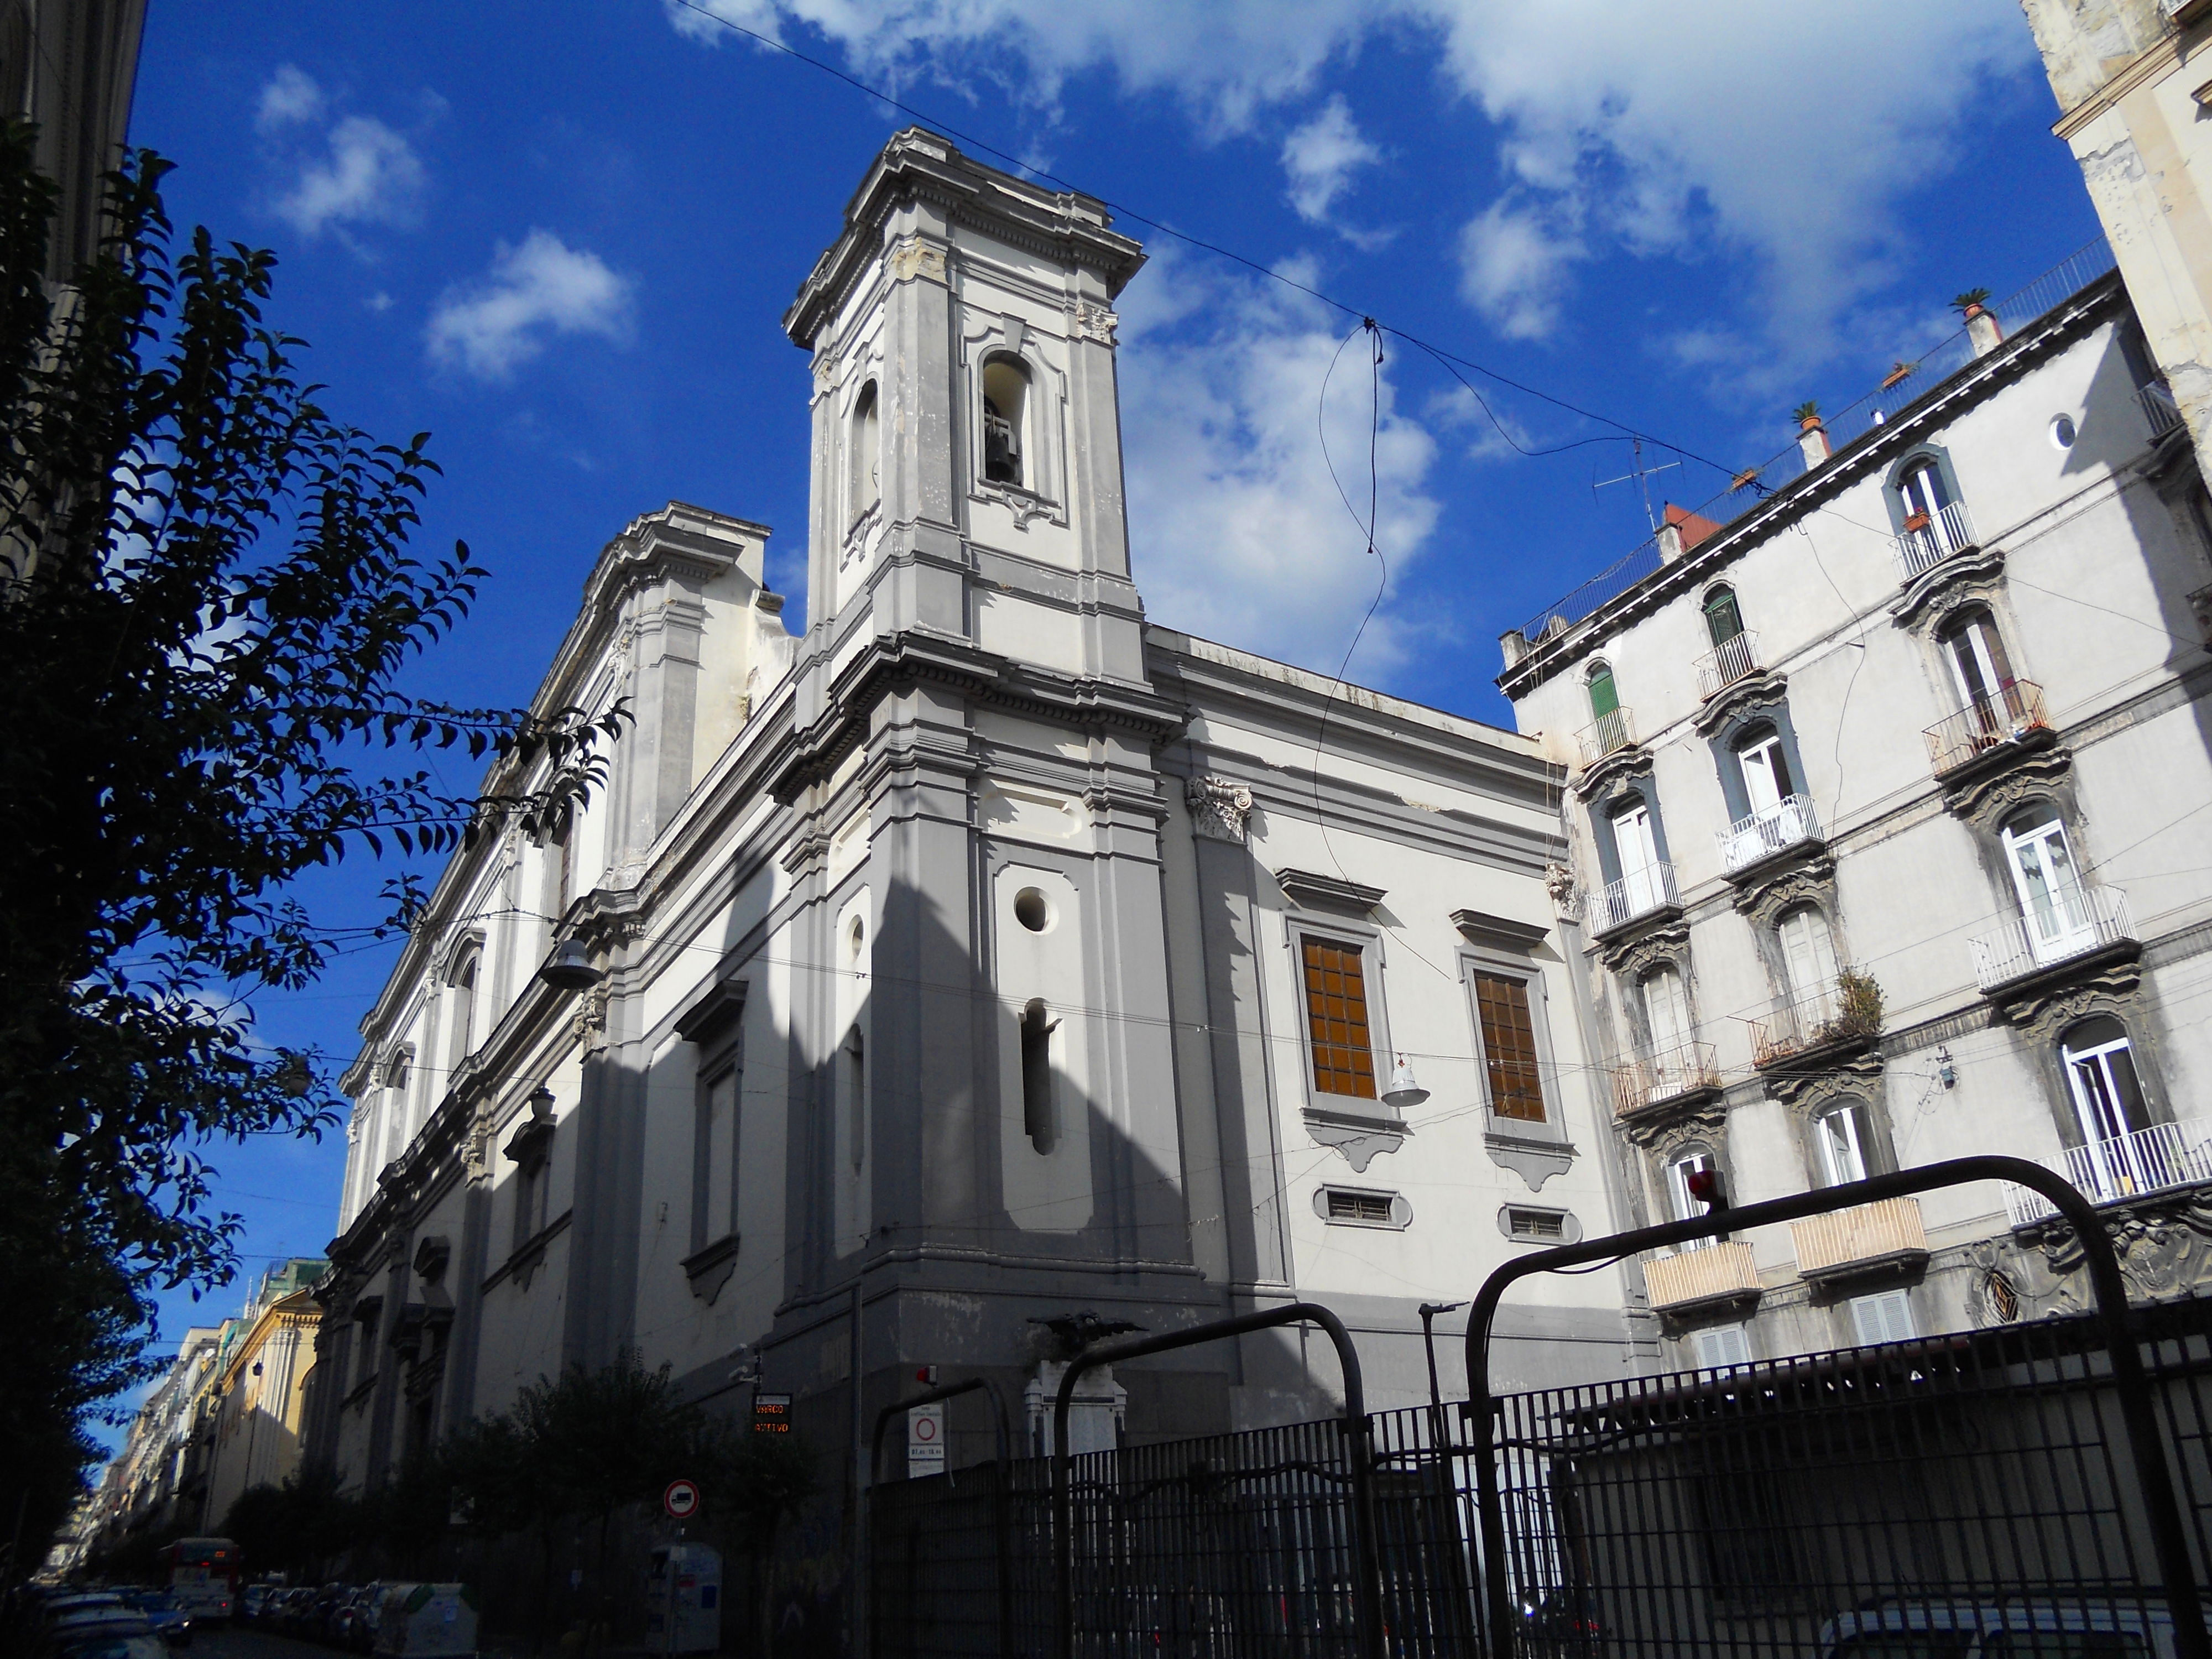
pixel 1429 1311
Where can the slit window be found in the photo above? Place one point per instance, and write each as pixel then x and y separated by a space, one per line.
pixel 1508 1047
pixel 867 460
pixel 1040 1118
pixel 1336 1018
pixel 856 1095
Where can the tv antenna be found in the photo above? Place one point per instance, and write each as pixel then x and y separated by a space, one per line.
pixel 1642 475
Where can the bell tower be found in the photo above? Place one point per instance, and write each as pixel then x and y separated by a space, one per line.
pixel 967 454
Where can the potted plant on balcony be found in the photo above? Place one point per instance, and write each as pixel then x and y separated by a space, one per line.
pixel 1807 415
pixel 1858 1010
pixel 1914 522
pixel 1969 305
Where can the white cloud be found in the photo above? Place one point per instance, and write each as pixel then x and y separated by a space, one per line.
pixel 1237 532
pixel 1513 263
pixel 1787 133
pixel 370 176
pixel 290 96
pixel 541 288
pixel 1321 157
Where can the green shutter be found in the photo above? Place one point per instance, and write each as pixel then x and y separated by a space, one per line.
pixel 1604 700
pixel 1723 620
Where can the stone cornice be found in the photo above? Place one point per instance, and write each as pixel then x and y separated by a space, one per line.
pixel 917 165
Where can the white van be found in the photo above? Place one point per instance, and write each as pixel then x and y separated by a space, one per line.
pixel 2115 1626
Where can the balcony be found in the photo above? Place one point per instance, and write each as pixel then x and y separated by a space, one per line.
pixel 1928 539
pixel 1726 662
pixel 1654 1079
pixel 1987 723
pixel 1713 1272
pixel 1846 1012
pixel 1772 829
pixel 1607 733
pixel 2076 923
pixel 1639 894
pixel 2159 408
pixel 2159 1159
pixel 1868 1238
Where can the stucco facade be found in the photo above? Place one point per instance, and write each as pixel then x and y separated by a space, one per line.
pixel 986 947
pixel 1886 804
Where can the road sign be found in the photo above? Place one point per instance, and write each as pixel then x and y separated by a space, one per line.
pixel 925 1441
pixel 681 1500
pixel 771 1413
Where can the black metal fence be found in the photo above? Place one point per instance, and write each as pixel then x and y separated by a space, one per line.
pixel 1730 1512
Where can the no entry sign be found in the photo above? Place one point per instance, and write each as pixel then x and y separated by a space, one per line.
pixel 681 1500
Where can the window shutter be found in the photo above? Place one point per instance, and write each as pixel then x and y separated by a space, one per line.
pixel 1336 1014
pixel 1508 1047
pixel 1604 700
pixel 1725 1344
pixel 1884 1318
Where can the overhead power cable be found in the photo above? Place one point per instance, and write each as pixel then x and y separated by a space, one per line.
pixel 1365 313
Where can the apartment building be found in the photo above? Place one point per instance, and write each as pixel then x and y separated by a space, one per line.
pixel 1885 792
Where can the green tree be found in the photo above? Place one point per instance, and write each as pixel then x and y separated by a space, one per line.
pixel 206 597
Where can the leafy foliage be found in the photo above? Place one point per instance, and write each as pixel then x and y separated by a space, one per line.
pixel 206 595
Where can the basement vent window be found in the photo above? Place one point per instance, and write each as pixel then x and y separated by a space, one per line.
pixel 1526 1224
pixel 1353 1206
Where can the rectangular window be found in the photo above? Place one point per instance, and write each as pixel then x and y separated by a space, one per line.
pixel 1359 1206
pixel 720 1107
pixel 1884 1318
pixel 1508 1047
pixel 1724 1344
pixel 1549 1225
pixel 1336 1020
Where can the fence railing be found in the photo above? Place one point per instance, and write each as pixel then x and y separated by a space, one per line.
pixel 1609 732
pixel 1812 1021
pixel 1928 539
pixel 1652 1079
pixel 1770 830
pixel 2073 921
pixel 2160 1158
pixel 1997 718
pixel 1732 659
pixel 2159 408
pixel 1637 894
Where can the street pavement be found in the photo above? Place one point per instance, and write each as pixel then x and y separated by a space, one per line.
pixel 250 1643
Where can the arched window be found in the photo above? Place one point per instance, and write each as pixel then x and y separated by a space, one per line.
pixel 461 1009
pixel 1666 1009
pixel 1840 1134
pixel 1683 1164
pixel 1005 401
pixel 2047 882
pixel 1604 697
pixel 1976 653
pixel 1723 621
pixel 2117 1158
pixel 1766 768
pixel 1808 962
pixel 1039 1118
pixel 866 453
pixel 1932 524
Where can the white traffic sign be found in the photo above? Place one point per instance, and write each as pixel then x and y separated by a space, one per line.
pixel 681 1500
pixel 925 1441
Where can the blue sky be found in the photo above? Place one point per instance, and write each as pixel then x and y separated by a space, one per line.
pixel 561 237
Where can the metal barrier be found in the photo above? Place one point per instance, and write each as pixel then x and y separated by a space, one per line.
pixel 1366 1569
pixel 2151 1502
pixel 1001 1522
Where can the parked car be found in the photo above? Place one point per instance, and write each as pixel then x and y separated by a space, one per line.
pixel 353 1626
pixel 289 1612
pixel 103 1630
pixel 252 1600
pixel 171 1619
pixel 329 1610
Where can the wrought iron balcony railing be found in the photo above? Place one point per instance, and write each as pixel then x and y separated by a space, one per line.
pixel 1768 831
pixel 1605 734
pixel 1928 539
pixel 2160 1158
pixel 1654 1079
pixel 1726 662
pixel 2002 717
pixel 2074 922
pixel 1637 894
pixel 2159 408
pixel 1816 1020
